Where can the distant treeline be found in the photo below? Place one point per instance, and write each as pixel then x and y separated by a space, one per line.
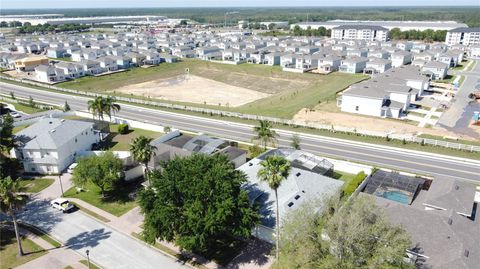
pixel 468 15
pixel 28 28
pixel 321 31
pixel 428 35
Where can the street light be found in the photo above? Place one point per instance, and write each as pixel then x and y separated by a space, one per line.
pixel 88 258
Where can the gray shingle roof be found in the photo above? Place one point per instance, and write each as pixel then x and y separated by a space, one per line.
pixel 51 133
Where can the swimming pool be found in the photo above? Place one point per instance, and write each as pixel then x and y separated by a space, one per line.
pixel 396 196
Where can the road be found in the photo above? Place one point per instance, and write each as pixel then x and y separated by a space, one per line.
pixel 381 156
pixel 457 117
pixel 108 248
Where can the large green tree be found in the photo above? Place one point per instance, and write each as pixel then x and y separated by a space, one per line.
pixel 265 134
pixel 104 170
pixel 10 202
pixel 142 151
pixel 97 107
pixel 110 107
pixel 197 203
pixel 6 133
pixel 275 169
pixel 346 235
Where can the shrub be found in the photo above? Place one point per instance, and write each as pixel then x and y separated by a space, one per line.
pixel 123 128
pixel 351 186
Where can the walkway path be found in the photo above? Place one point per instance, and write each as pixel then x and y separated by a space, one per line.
pixel 426 119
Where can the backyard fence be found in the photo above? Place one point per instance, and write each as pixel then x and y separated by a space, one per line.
pixel 286 122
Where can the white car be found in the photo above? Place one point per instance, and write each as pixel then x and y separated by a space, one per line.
pixel 62 205
pixel 71 167
pixel 15 114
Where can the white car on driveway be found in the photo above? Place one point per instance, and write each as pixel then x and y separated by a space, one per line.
pixel 15 114
pixel 62 205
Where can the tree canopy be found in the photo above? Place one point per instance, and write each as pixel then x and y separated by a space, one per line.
pixel 104 170
pixel 197 202
pixel 351 234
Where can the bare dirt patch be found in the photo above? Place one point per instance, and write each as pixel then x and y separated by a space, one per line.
pixel 267 84
pixel 368 123
pixel 194 89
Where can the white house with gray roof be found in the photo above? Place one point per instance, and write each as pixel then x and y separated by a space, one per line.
pixel 50 145
pixel 307 180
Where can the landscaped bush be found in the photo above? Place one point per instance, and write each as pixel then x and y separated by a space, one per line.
pixel 351 186
pixel 123 128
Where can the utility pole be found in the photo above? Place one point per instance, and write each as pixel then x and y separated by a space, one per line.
pixel 61 186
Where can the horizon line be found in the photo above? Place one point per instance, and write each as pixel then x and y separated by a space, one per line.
pixel 190 7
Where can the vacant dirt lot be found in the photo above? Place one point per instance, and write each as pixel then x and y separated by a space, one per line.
pixel 194 89
pixel 368 123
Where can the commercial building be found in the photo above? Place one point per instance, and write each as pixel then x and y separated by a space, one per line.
pixel 465 36
pixel 402 25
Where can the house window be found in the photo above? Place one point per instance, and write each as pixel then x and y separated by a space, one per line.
pixel 356 108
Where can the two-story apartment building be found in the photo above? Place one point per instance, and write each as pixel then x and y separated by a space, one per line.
pixel 50 145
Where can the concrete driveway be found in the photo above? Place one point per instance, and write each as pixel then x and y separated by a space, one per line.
pixel 108 248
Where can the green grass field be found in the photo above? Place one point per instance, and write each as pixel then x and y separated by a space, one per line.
pixel 290 91
pixel 24 108
pixel 8 249
pixel 35 185
pixel 116 202
pixel 119 142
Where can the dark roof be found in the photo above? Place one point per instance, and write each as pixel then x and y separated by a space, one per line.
pixel 361 27
pixel 465 30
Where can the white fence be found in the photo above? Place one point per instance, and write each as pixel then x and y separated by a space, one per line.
pixel 294 123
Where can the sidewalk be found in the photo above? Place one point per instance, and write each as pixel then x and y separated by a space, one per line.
pixel 56 258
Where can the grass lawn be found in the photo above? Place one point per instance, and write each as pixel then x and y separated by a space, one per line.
pixel 345 177
pixel 8 249
pixel 119 142
pixel 25 108
pixel 92 266
pixel 290 91
pixel 65 59
pixel 35 185
pixel 19 128
pixel 116 202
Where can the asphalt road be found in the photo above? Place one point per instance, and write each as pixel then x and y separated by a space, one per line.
pixel 381 156
pixel 108 248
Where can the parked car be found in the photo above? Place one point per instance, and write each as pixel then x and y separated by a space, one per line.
pixel 71 168
pixel 15 114
pixel 62 205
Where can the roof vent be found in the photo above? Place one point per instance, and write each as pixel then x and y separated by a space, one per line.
pixel 450 221
pixel 290 204
pixel 457 187
pixel 250 164
pixel 298 174
pixel 297 197
pixel 52 131
pixel 466 253
pixel 62 120
pixel 50 122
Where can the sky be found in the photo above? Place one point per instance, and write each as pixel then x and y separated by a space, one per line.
pixel 34 4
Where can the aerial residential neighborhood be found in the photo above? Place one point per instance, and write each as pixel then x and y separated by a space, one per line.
pixel 247 135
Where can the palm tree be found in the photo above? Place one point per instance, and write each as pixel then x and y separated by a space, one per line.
pixel 96 106
pixel 274 170
pixel 110 107
pixel 10 201
pixel 142 151
pixel 265 134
